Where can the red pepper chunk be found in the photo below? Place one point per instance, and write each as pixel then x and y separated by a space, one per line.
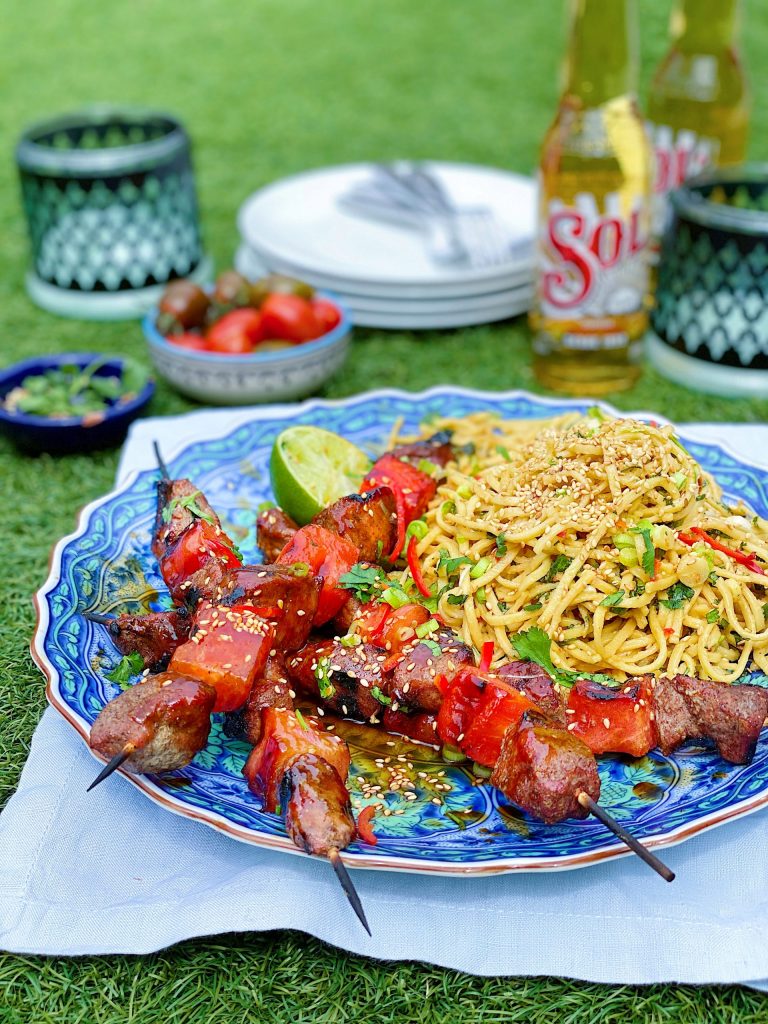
pixel 284 737
pixel 498 710
pixel 200 542
pixel 460 704
pixel 228 651
pixel 741 557
pixel 329 556
pixel 618 721
pixel 417 488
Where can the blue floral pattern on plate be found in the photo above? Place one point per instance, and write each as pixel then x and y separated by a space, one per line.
pixel 107 565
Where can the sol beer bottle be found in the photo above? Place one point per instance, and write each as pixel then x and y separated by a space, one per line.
pixel 590 310
pixel 698 104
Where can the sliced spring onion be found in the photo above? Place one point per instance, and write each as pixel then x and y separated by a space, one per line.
pixel 480 568
pixel 425 628
pixel 452 754
pixel 417 529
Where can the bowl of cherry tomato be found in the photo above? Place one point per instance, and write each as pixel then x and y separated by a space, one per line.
pixel 244 341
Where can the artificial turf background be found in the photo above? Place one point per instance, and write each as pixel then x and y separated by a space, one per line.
pixel 266 88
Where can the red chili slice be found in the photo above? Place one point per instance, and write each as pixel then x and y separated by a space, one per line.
pixel 486 656
pixel 364 829
pixel 415 567
pixel 749 561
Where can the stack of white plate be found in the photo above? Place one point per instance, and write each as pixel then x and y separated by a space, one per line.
pixel 384 273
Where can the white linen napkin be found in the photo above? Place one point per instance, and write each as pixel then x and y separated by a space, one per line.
pixel 111 872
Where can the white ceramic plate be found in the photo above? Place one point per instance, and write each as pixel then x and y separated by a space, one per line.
pixel 415 314
pixel 295 225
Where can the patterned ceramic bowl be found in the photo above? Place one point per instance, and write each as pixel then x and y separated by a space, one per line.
pixel 111 210
pixel 275 376
pixel 710 324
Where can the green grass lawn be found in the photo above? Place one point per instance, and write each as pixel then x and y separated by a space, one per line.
pixel 268 87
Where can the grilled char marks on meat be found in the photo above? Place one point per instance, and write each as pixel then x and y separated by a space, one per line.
pixel 414 677
pixel 274 528
pixel 154 636
pixel 415 725
pixel 543 768
pixel 166 717
pixel 171 495
pixel 436 449
pixel 730 715
pixel 534 682
pixel 275 587
pixel 341 678
pixel 315 805
pixel 368 520
pixel 272 689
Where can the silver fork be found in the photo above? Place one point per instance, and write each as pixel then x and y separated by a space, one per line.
pixel 408 195
pixel 472 228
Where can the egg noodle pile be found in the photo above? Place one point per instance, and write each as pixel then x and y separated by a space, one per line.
pixel 573 525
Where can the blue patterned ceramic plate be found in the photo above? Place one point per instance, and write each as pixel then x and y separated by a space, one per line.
pixel 107 565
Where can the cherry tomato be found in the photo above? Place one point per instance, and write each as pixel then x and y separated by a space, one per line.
pixel 236 333
pixel 194 342
pixel 326 314
pixel 290 317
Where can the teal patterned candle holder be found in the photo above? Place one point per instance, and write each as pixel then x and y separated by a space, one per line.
pixel 111 209
pixel 710 322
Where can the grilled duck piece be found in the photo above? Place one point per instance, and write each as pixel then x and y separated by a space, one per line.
pixel 286 594
pixel 274 528
pixel 368 520
pixel 164 720
pixel 317 811
pixel 345 680
pixel 544 769
pixel 271 689
pixel 730 715
pixel 413 725
pixel 534 682
pixel 179 505
pixel 436 449
pixel 414 676
pixel 154 636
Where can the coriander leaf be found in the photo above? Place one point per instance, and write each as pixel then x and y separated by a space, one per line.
pixel 433 645
pixel 503 452
pixel 639 589
pixel 501 545
pixel 712 578
pixel 129 665
pixel 765 612
pixel 380 696
pixel 364 581
pixel 445 561
pixel 560 564
pixel 457 599
pixel 713 616
pixel 532 607
pixel 649 554
pixel 678 595
pixel 534 645
pixel 613 599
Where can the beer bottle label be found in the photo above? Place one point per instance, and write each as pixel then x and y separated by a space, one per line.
pixel 679 155
pixel 594 264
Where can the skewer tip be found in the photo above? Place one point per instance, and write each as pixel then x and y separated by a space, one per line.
pixel 112 765
pixel 620 832
pixel 97 617
pixel 349 888
pixel 161 462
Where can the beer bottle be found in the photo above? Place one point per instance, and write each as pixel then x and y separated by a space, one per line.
pixel 590 310
pixel 698 103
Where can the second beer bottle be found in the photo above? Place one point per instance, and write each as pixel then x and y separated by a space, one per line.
pixel 590 312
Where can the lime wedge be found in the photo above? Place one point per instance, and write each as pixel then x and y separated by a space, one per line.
pixel 311 467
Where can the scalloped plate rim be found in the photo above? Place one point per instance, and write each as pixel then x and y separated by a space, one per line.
pixel 355 860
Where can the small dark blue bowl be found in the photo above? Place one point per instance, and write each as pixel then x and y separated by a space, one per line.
pixel 68 436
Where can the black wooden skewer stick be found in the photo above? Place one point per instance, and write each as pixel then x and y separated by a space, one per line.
pixel 97 617
pixel 112 765
pixel 618 830
pixel 349 887
pixel 161 462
